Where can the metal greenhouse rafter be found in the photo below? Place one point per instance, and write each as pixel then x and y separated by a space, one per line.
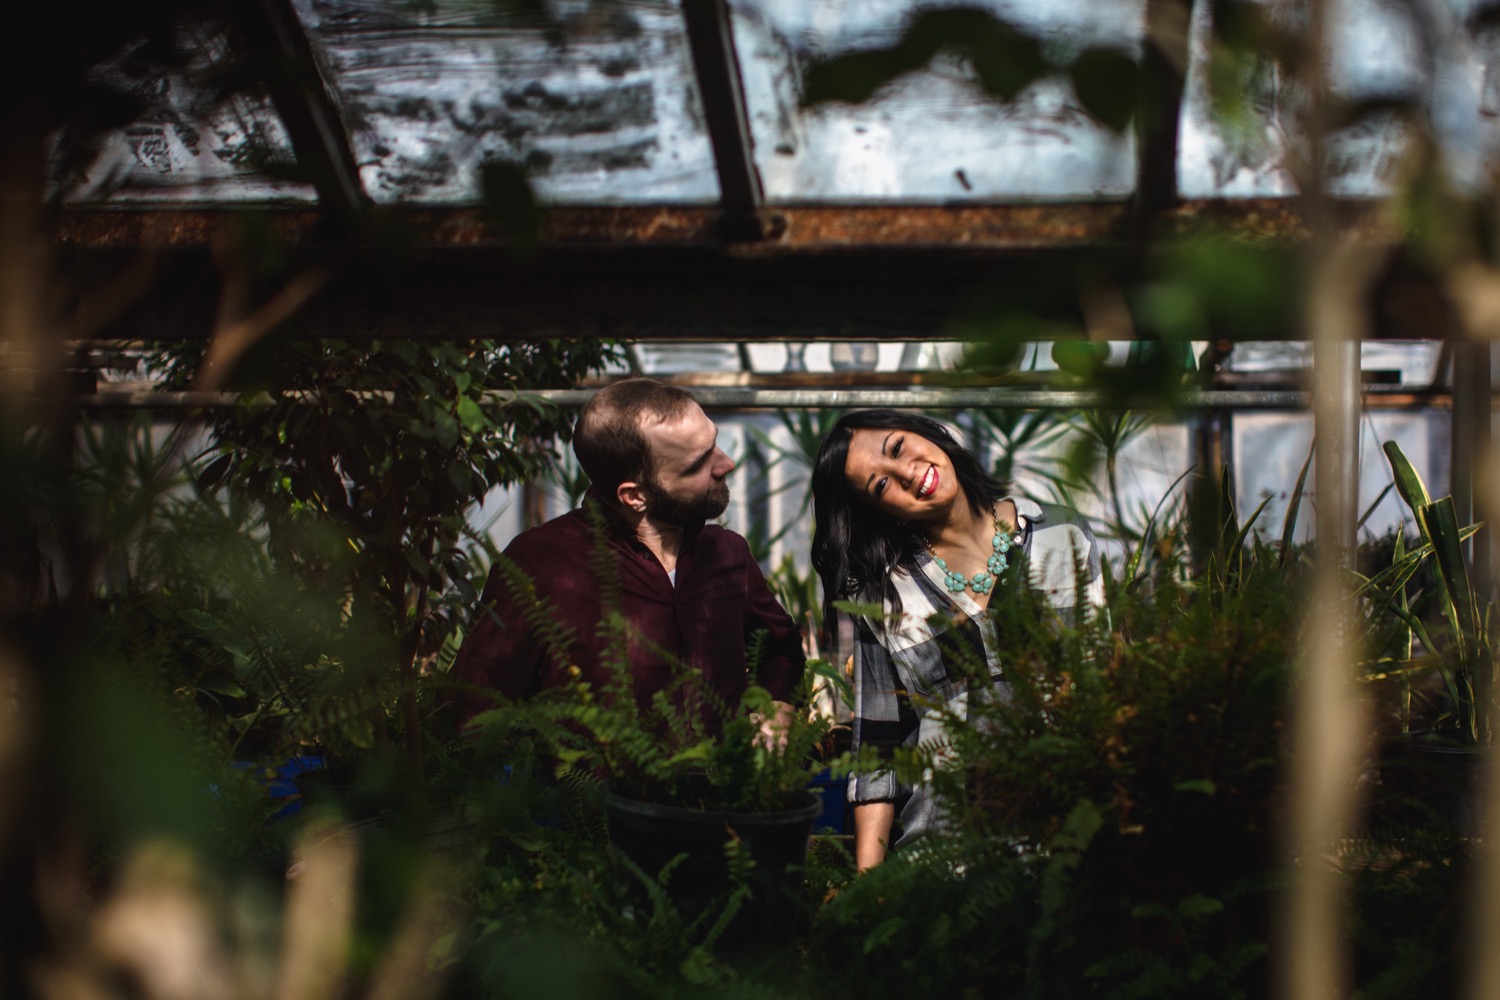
pixel 312 118
pixel 718 72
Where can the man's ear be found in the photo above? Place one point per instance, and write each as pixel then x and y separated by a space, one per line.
pixel 632 496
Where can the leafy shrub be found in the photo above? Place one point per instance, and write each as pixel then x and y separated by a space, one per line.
pixel 1113 807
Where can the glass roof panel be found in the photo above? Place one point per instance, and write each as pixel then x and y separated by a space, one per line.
pixel 599 103
pixel 1378 50
pixel 1413 361
pixel 933 133
pixel 597 99
pixel 188 143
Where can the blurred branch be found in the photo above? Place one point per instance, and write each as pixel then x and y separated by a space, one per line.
pixel 102 306
pixel 233 337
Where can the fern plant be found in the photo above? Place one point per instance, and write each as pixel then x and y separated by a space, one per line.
pixel 685 744
pixel 1112 808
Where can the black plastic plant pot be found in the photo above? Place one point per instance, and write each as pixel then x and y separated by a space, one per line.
pixel 652 836
pixel 1423 781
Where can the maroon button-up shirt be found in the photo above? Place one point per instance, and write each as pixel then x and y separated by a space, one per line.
pixel 707 621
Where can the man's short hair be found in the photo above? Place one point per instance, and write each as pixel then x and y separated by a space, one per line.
pixel 609 438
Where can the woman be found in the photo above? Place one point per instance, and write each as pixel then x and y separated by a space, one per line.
pixel 906 519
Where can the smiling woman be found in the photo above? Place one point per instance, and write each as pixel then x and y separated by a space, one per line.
pixel 911 526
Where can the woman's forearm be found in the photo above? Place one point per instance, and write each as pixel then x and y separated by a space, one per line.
pixel 872 832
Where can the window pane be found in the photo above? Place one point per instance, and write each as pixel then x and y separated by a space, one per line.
pixel 933 133
pixel 188 144
pixel 1376 51
pixel 600 105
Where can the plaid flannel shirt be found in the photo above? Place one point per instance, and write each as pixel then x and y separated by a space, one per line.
pixel 909 666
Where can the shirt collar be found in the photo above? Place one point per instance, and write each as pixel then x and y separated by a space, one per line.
pixel 1029 509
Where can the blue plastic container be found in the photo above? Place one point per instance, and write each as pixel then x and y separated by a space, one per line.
pixel 833 791
pixel 281 783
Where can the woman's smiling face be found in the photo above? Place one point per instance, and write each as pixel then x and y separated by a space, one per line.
pixel 901 473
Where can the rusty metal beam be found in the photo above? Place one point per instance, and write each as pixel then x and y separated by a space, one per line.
pixel 652 272
pixel 678 294
pixel 818 228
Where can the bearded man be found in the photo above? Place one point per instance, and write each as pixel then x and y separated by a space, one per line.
pixel 688 590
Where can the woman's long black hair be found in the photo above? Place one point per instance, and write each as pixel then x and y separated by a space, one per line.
pixel 855 548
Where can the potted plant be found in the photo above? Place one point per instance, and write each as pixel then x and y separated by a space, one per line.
pixel 702 798
pixel 1438 652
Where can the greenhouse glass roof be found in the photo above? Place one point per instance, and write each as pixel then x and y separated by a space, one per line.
pixel 601 103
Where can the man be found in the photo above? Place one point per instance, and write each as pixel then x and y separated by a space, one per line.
pixel 689 591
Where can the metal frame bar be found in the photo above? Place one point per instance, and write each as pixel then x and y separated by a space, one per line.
pixel 711 38
pixel 1164 62
pixel 734 397
pixel 302 98
pixel 1470 443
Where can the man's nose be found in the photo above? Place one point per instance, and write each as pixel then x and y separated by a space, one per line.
pixel 723 464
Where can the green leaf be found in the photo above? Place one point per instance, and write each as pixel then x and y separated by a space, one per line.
pixel 220 685
pixel 1007 61
pixel 698 751
pixel 1238 542
pixel 1079 828
pixel 471 415
pixel 509 201
pixel 212 475
pixel 860 609
pixel 1370 510
pixel 1203 785
pixel 1408 483
pixel 458 475
pixel 1293 507
pixel 1199 906
pixel 201 620
pixel 1107 82
pixel 851 79
pixel 1440 523
pixel 1079 357
pixel 445 429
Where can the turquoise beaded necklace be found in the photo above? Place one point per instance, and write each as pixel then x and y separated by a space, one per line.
pixel 983 581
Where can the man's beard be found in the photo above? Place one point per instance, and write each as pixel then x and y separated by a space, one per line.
pixel 686 511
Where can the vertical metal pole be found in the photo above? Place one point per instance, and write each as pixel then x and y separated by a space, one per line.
pixel 1470 443
pixel 1330 725
pixel 1484 973
pixel 1336 417
pixel 1461 434
pixel 1329 722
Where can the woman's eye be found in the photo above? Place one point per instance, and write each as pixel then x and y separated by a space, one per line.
pixel 880 487
pixel 896 448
